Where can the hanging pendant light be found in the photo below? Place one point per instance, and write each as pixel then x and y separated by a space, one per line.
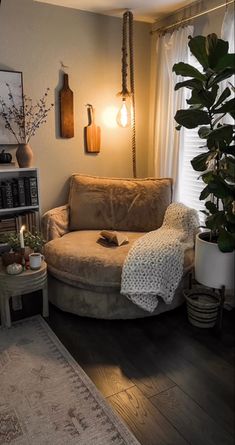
pixel 126 113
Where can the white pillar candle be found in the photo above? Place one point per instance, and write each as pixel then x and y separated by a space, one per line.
pixel 22 237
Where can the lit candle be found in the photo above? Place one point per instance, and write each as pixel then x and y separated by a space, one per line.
pixel 22 237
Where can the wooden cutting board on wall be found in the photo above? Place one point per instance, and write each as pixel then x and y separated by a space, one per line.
pixel 66 109
pixel 92 132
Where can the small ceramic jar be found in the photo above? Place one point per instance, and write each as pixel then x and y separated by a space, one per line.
pixel 14 269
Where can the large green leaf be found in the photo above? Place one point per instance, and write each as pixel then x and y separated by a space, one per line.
pixel 197 47
pixel 204 193
pixel 207 177
pixel 228 164
pixel 208 97
pixel 212 145
pixel 186 70
pixel 228 61
pixel 225 74
pixel 204 132
pixel 191 83
pixel 230 150
pixel 215 49
pixel 191 118
pixel 203 96
pixel 195 99
pixel 211 207
pixel 210 43
pixel 226 241
pixel 221 134
pixel 200 162
pixel 213 93
pixel 225 94
pixel 227 107
pixel 218 187
pixel 216 220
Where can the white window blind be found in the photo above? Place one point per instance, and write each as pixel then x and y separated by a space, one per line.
pixel 190 183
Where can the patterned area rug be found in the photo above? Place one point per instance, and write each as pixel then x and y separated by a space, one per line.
pixel 46 398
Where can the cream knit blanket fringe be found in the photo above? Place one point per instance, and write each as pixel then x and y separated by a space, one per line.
pixel 154 264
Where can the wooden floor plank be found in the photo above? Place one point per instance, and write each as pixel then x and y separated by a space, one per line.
pixel 223 346
pixel 200 384
pixel 149 346
pixel 145 420
pixel 91 351
pixel 197 352
pixel 159 355
pixel 200 387
pixel 140 366
pixel 112 345
pixel 188 418
pixel 109 379
pixel 219 373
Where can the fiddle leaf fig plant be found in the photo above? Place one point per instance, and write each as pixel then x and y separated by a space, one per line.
pixel 210 105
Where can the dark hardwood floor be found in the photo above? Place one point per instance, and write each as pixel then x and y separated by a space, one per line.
pixel 172 383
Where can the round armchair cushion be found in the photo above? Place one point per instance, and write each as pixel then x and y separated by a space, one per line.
pixel 78 259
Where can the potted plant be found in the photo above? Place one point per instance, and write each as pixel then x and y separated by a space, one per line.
pixel 33 243
pixel 23 122
pixel 211 107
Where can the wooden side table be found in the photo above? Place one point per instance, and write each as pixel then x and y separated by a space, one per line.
pixel 24 283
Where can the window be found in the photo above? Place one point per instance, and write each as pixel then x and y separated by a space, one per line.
pixel 190 183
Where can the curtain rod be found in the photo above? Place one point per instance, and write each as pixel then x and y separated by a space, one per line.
pixel 165 28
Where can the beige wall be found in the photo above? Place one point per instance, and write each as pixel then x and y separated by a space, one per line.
pixel 34 38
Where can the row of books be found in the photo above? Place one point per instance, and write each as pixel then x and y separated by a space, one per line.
pixel 19 192
pixel 31 220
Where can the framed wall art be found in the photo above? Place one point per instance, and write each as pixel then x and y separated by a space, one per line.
pixel 11 84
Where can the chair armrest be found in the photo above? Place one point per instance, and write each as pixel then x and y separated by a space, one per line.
pixel 55 222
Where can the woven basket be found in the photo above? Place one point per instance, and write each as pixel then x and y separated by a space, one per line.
pixel 202 307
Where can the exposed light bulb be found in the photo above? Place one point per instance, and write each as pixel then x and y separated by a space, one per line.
pixel 124 115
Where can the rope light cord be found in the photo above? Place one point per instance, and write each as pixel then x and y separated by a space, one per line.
pixel 127 33
pixel 132 87
pixel 124 92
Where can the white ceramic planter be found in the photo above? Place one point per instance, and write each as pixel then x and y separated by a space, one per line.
pixel 214 268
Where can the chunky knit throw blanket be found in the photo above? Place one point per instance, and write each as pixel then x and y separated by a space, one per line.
pixel 154 264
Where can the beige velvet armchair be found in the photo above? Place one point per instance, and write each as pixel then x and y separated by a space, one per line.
pixel 85 275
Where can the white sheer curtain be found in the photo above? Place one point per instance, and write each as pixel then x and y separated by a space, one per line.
pixel 171 48
pixel 227 33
